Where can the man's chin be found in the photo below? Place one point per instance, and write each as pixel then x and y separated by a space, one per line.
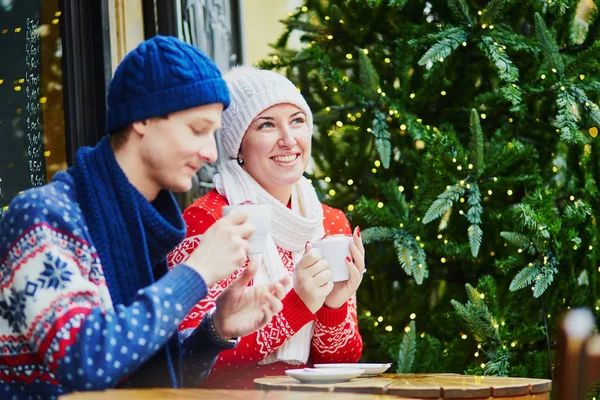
pixel 180 187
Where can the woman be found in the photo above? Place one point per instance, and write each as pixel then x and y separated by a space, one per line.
pixel 266 136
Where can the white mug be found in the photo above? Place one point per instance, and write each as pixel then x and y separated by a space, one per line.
pixel 259 215
pixel 334 250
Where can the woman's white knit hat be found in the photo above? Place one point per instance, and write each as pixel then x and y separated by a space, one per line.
pixel 252 91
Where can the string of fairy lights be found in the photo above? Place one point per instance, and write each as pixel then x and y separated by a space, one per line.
pixel 420 145
pixel 17 84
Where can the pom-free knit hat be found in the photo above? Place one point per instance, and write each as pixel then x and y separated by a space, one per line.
pixel 252 91
pixel 161 76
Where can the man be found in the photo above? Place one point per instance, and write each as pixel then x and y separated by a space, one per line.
pixel 86 302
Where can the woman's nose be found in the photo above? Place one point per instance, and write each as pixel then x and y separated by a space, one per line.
pixel 287 139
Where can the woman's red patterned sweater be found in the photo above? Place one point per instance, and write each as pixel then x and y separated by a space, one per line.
pixel 335 339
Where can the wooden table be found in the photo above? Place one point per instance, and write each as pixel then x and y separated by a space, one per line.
pixel 206 394
pixel 423 386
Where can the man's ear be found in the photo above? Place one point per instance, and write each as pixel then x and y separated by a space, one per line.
pixel 140 127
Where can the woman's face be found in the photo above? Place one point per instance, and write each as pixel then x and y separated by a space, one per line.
pixel 276 147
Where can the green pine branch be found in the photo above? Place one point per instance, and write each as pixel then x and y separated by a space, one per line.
pixel 477 316
pixel 559 7
pixel 451 39
pixel 586 58
pixel 404 254
pixel 397 3
pixel 443 203
pixel 593 31
pixel 375 216
pixel 460 11
pixel 392 195
pixel 548 44
pixel 382 138
pixel 528 217
pixel 476 143
pixel 566 120
pixel 411 256
pixel 430 351
pixel 369 79
pixel 408 349
pixel 474 217
pixel 519 240
pixel 525 277
pixel 377 234
pixel 587 104
pixel 507 72
pixel 578 212
pixel 499 362
pixel 492 11
pixel 409 253
pixel 335 13
pixel 544 280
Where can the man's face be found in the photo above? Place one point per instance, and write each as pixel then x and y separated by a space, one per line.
pixel 172 149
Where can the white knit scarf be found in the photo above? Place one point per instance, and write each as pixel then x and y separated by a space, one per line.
pixel 290 230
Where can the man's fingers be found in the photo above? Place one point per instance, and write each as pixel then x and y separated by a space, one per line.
pixel 248 274
pixel 237 217
pixel 286 280
pixel 275 304
pixel 277 290
pixel 246 230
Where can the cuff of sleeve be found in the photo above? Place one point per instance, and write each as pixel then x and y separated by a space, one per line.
pixel 295 311
pixel 204 340
pixel 330 317
pixel 217 340
pixel 185 286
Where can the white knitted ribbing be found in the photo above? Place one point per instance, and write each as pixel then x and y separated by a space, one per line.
pixel 290 230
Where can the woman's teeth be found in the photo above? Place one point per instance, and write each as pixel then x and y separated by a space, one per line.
pixel 285 159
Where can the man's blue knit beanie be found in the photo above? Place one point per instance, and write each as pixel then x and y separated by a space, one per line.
pixel 161 76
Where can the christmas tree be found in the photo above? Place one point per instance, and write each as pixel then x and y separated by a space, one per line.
pixel 461 136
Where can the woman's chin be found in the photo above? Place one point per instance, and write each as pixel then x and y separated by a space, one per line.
pixel 288 179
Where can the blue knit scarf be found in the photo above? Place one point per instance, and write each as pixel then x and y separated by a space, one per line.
pixel 132 235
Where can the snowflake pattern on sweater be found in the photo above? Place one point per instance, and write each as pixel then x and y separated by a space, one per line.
pixel 59 330
pixel 336 338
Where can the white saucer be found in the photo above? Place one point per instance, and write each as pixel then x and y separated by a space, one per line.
pixel 369 368
pixel 313 375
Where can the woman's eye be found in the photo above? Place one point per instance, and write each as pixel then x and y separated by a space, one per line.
pixel 299 120
pixel 266 125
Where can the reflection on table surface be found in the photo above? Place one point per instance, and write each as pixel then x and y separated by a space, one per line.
pixel 212 394
pixel 400 386
pixel 422 386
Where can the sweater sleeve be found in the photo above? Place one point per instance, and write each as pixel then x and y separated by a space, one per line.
pixel 54 299
pixel 336 338
pixel 200 351
pixel 198 220
pixel 259 344
pixel 111 345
